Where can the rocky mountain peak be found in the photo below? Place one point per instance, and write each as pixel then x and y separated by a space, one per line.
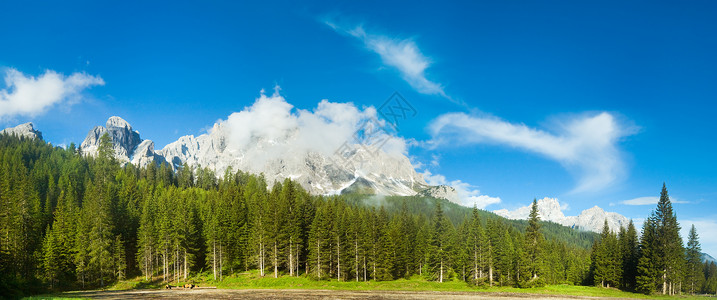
pixel 441 192
pixel 27 130
pixel 125 142
pixel 366 170
pixel 550 209
pixel 117 122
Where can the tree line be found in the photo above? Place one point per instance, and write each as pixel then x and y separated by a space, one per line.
pixel 657 261
pixel 71 221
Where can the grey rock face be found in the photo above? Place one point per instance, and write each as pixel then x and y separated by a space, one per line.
pixel 367 169
pixel 27 130
pixel 549 209
pixel 127 145
pixel 442 192
pixel 318 173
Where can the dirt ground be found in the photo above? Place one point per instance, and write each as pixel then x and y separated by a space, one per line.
pixel 205 293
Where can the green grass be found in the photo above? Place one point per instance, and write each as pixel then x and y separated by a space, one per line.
pixel 252 280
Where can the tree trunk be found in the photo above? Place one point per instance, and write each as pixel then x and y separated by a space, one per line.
pixel 291 257
pixel 490 275
pixel 214 259
pixel 440 276
pixel 318 259
pixel 221 262
pixel 475 264
pixel 276 261
pixel 364 268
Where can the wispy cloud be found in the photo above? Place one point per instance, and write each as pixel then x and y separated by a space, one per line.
pixel 585 145
pixel 30 96
pixel 468 195
pixel 649 201
pixel 401 54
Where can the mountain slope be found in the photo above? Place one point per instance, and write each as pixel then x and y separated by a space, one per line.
pixel 426 206
pixel 25 130
pixel 364 169
pixel 549 209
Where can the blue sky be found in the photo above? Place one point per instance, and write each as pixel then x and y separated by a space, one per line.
pixel 592 103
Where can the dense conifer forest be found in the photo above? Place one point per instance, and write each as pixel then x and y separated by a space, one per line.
pixel 73 222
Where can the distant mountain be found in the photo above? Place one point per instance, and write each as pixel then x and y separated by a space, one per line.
pixel 363 170
pixel 549 209
pixel 707 258
pixel 441 192
pixel 27 130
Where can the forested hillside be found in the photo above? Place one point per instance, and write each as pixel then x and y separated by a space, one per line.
pixel 73 222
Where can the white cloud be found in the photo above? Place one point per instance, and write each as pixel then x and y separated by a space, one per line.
pixel 275 123
pixel 401 54
pixel 585 145
pixel 649 201
pixel 641 201
pixel 30 96
pixel 467 194
pixel 705 230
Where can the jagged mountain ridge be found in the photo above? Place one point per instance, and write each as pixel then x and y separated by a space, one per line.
pixel 364 169
pixel 26 130
pixel 549 209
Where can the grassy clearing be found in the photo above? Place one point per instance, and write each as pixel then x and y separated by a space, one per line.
pixel 252 280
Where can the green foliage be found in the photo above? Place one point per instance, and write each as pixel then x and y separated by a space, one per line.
pixel 72 221
pixel 662 263
pixel 695 275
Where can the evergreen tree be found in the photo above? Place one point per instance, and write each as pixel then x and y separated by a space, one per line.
pixel 629 245
pixel 533 241
pixel 669 242
pixel 607 259
pixel 695 274
pixel 478 245
pixel 439 246
pixel 505 256
pixel 648 268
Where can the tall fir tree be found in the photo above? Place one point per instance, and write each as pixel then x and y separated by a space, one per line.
pixel 695 273
pixel 534 241
pixel 630 248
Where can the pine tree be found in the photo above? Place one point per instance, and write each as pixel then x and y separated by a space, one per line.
pixel 319 239
pixel 439 246
pixel 534 241
pixel 505 256
pixel 669 242
pixel 607 259
pixel 477 244
pixel 629 245
pixel 648 268
pixel 695 275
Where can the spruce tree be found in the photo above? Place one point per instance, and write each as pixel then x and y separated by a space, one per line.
pixel 648 269
pixel 629 245
pixel 533 241
pixel 695 274
pixel 439 246
pixel 670 249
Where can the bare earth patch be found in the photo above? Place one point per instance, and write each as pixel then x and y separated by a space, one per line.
pixel 201 293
